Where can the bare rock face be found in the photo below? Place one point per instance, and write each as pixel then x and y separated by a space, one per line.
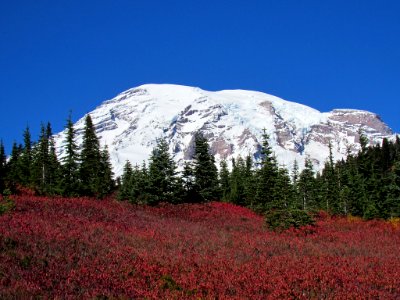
pixel 233 122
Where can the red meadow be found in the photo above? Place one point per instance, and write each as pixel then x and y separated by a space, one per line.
pixel 85 248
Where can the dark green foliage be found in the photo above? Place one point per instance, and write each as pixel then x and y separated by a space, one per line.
pixel 284 218
pixel 188 183
pixel 125 188
pixel 205 171
pixel 70 176
pixel 3 165
pixel 238 182
pixel 13 176
pixel 105 182
pixel 224 181
pixel 365 185
pixel 307 187
pixel 162 174
pixel 329 187
pixel 267 175
pixel 6 203
pixel 90 161
pixel 45 166
pixel 25 161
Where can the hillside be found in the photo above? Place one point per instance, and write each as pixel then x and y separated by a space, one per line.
pixel 83 248
pixel 232 120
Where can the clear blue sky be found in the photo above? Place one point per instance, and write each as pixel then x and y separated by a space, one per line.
pixel 57 56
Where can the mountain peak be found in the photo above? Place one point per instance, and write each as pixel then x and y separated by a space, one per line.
pixel 232 120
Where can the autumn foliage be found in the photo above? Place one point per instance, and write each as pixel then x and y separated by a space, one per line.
pixel 83 248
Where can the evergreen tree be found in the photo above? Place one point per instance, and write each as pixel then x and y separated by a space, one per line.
pixel 162 174
pixel 54 167
pixel 70 167
pixel 138 186
pixel 40 162
pixel 307 186
pixel 3 163
pixel 295 176
pixel 14 168
pixel 205 171
pixel 125 188
pixel 250 182
pixel 90 160
pixel 285 194
pixel 329 186
pixel 188 183
pixel 26 159
pixel 224 177
pixel 237 182
pixel 105 182
pixel 267 176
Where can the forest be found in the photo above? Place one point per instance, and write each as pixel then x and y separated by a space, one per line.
pixel 366 185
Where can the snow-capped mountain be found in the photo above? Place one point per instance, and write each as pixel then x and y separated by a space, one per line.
pixel 232 120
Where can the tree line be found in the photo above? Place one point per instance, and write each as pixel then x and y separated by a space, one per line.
pixel 83 171
pixel 366 184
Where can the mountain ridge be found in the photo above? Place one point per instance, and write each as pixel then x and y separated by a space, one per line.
pixel 232 120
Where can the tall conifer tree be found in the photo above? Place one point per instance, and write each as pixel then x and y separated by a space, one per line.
pixel 205 170
pixel 70 167
pixel 90 157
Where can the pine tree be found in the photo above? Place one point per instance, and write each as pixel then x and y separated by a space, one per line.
pixel 267 176
pixel 105 182
pixel 13 177
pixel 295 176
pixel 307 186
pixel 329 185
pixel 284 192
pixel 250 182
pixel 54 167
pixel 124 191
pixel 162 174
pixel 26 159
pixel 237 182
pixel 90 160
pixel 205 171
pixel 188 182
pixel 3 163
pixel 70 167
pixel 224 180
pixel 40 162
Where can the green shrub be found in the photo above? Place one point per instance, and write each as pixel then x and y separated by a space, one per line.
pixel 286 218
pixel 6 203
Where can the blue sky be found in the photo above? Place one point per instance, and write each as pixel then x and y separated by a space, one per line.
pixel 57 56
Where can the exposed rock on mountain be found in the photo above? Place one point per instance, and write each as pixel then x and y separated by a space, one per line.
pixel 232 120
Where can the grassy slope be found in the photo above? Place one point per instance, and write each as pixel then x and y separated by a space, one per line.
pixel 83 248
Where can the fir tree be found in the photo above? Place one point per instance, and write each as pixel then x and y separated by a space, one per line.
pixel 54 167
pixel 3 163
pixel 307 186
pixel 70 167
pixel 224 177
pixel 90 160
pixel 14 168
pixel 205 171
pixel 188 182
pixel 105 182
pixel 250 182
pixel 329 186
pixel 40 162
pixel 237 182
pixel 267 175
pixel 162 174
pixel 26 159
pixel 126 180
